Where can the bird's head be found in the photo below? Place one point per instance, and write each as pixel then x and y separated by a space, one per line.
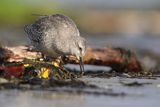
pixel 81 47
pixel 79 51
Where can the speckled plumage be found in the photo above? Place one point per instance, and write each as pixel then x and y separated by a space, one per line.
pixel 56 35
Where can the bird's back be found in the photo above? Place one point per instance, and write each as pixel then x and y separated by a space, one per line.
pixel 52 32
pixel 57 23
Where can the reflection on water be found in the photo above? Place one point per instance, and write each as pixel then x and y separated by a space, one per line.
pixel 144 96
pixel 15 98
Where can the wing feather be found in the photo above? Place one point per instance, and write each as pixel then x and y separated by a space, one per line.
pixel 36 30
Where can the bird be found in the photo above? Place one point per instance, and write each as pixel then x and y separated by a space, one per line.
pixel 57 35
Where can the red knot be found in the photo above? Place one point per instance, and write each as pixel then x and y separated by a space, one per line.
pixel 57 35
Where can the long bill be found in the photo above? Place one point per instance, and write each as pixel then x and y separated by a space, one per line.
pixel 81 65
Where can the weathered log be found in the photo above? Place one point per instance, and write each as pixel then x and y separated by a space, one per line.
pixel 119 59
pixel 5 54
pixel 21 52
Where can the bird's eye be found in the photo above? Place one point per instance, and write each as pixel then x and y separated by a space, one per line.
pixel 80 48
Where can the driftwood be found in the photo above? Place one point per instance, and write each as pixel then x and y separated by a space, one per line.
pixel 5 54
pixel 119 59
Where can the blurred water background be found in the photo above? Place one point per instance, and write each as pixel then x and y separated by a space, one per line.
pixel 131 24
pixel 102 22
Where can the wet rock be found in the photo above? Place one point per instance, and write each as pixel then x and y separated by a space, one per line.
pixel 134 84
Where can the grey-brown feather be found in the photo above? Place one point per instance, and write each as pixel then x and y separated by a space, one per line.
pixel 54 35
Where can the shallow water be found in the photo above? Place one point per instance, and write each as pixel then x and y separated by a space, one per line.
pixel 147 95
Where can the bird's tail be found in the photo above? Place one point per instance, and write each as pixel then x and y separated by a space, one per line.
pixel 26 28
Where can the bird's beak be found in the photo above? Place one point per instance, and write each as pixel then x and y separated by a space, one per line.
pixel 81 65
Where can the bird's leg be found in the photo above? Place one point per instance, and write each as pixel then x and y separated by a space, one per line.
pixel 43 57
